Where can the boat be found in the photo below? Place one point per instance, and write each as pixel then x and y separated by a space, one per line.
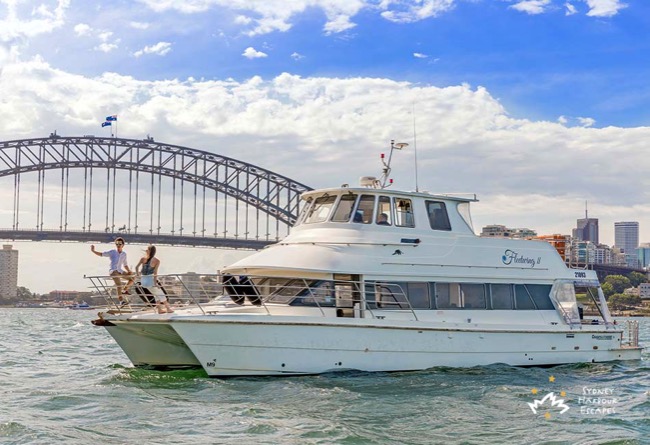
pixel 376 279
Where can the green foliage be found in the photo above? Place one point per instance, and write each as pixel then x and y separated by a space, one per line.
pixel 608 289
pixel 637 278
pixel 619 283
pixel 623 301
pixel 23 293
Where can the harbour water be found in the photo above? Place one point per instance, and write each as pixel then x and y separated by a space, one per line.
pixel 63 380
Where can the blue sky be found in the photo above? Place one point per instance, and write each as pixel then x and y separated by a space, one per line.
pixel 535 105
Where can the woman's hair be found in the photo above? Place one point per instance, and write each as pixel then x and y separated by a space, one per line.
pixel 151 252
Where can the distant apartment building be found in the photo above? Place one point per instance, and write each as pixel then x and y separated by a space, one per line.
pixel 582 252
pixel 586 229
pixel 644 291
pixel 8 272
pixel 561 243
pixel 499 231
pixel 626 238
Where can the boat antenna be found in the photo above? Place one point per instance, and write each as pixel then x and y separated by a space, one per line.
pixel 386 170
pixel 415 151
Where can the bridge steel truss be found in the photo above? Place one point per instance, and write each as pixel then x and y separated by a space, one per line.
pixel 232 204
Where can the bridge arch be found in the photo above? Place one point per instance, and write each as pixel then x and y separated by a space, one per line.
pixel 276 196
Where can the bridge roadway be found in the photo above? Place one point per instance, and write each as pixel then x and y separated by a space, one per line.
pixel 132 238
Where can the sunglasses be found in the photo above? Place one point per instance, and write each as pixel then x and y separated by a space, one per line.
pixel 119 244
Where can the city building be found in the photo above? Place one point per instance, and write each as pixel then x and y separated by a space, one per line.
pixel 582 252
pixel 626 238
pixel 643 255
pixel 560 242
pixel 497 230
pixel 8 273
pixel 644 291
pixel 586 229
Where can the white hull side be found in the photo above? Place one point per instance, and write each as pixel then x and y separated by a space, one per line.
pixel 152 344
pixel 227 348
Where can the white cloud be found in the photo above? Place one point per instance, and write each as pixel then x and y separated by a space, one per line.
pixel 586 121
pixel 409 12
pixel 105 35
pixel 297 56
pixel 420 56
pixel 139 25
pixel 82 29
pixel 570 9
pixel 531 6
pixel 44 19
pixel 106 47
pixel 159 49
pixel 252 53
pixel 604 8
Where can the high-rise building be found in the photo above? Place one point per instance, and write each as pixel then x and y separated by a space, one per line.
pixel 626 238
pixel 8 272
pixel 586 229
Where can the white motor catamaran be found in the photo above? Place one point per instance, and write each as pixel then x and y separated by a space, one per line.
pixel 374 279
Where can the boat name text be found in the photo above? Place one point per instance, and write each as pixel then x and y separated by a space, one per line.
pixel 512 257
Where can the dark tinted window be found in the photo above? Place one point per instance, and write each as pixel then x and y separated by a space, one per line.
pixel 448 295
pixel 522 299
pixel 501 296
pixel 419 295
pixel 438 217
pixel 391 295
pixel 540 294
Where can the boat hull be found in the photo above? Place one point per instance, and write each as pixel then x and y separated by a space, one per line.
pixel 245 348
pixel 152 344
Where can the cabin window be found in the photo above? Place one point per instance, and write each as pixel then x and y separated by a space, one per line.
pixel 418 295
pixel 541 296
pixel 404 213
pixel 384 214
pixel 463 210
pixel 501 295
pixel 305 210
pixel 473 296
pixel 391 295
pixel 317 294
pixel 438 218
pixel 370 295
pixel 522 298
pixel 344 208
pixel 365 209
pixel 321 209
pixel 448 296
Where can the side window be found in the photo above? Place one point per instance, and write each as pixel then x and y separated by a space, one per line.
pixel 438 218
pixel 540 294
pixel 320 210
pixel 384 215
pixel 419 295
pixel 404 213
pixel 365 209
pixel 370 295
pixel 522 299
pixel 305 210
pixel 473 295
pixel 501 295
pixel 343 210
pixel 391 295
pixel 448 296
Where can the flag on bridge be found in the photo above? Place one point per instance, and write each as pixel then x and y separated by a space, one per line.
pixel 106 124
pixel 111 118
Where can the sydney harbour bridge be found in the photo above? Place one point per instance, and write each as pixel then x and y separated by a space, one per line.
pixel 93 189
